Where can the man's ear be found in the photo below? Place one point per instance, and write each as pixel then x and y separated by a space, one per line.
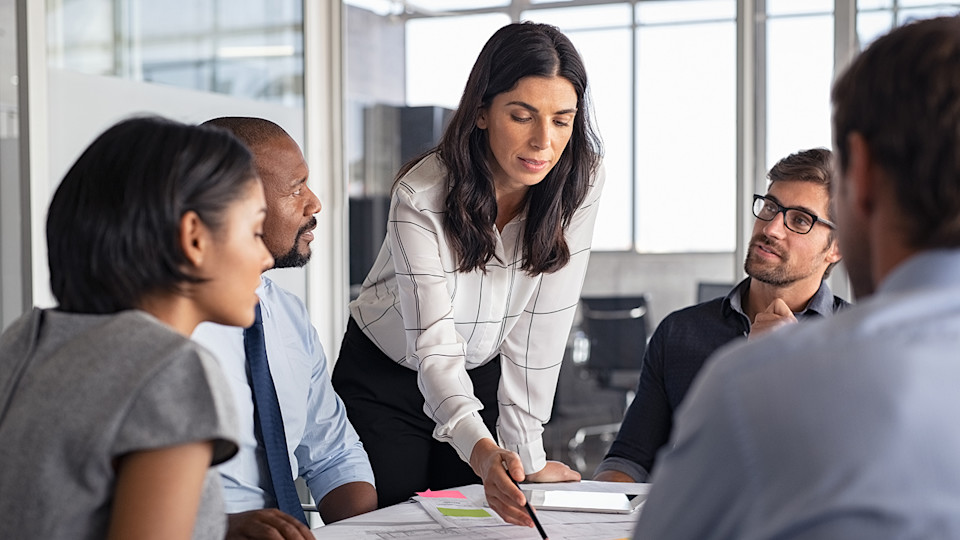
pixel 194 238
pixel 833 252
pixel 861 175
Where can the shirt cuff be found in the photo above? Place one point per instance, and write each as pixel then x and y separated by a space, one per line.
pixel 322 485
pixel 467 433
pixel 625 466
pixel 532 455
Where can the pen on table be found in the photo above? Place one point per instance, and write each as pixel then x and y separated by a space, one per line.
pixel 526 504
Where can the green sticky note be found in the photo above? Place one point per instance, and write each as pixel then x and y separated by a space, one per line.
pixel 463 512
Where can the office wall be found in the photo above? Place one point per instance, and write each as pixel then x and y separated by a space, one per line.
pixel 11 230
pixel 11 226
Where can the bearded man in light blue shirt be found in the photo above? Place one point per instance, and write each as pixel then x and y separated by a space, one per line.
pixel 323 447
pixel 846 428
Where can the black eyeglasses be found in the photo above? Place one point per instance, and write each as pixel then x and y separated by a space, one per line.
pixel 795 219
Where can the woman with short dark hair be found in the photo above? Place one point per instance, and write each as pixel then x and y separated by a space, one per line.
pixel 110 417
pixel 461 324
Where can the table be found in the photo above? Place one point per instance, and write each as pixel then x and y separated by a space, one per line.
pixel 409 521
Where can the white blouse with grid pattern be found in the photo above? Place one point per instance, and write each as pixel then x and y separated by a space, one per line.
pixel 427 316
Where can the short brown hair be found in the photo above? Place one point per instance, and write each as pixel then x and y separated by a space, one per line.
pixel 814 165
pixel 902 95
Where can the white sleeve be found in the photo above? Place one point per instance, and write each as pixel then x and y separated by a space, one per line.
pixel 434 347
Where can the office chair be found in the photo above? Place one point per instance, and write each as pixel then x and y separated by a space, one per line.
pixel 616 331
pixel 708 290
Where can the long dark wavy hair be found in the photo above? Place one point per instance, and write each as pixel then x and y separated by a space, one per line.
pixel 515 51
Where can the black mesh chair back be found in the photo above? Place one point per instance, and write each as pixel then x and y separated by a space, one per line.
pixel 616 327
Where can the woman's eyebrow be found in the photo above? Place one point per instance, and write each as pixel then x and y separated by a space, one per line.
pixel 533 109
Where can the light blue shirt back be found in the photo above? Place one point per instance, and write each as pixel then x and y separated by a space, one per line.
pixel 842 428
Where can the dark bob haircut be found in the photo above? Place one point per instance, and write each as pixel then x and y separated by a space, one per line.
pixel 514 52
pixel 113 228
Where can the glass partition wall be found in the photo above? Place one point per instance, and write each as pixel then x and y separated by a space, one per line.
pixel 694 99
pixel 14 230
pixel 664 84
pixel 251 49
pixel 90 63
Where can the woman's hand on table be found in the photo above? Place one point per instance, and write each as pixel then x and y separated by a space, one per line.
pixel 554 471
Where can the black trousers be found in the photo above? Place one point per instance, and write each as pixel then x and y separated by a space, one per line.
pixel 385 406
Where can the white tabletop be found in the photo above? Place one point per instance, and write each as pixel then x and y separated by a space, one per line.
pixel 409 521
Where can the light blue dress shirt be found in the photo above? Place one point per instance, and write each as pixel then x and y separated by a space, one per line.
pixel 324 448
pixel 842 428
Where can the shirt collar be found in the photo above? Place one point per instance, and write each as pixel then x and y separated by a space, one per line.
pixel 928 269
pixel 820 303
pixel 733 301
pixel 262 293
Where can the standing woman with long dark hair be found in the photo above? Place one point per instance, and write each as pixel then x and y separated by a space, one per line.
pixel 460 327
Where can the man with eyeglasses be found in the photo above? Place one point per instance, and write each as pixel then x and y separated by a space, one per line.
pixel 792 250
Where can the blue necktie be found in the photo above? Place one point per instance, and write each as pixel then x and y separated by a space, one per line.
pixel 268 422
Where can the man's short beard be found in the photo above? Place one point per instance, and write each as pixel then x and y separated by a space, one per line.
pixel 293 258
pixel 776 277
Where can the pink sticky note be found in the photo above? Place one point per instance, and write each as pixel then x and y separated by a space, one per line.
pixel 445 494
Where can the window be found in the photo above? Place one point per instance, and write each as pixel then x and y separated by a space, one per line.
pixel 663 76
pixel 876 17
pixel 646 87
pixel 244 48
pixel 437 50
pixel 799 73
pixel 686 127
pixel 598 32
pixel 656 69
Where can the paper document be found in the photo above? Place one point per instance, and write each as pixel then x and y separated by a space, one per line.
pixel 458 512
pixel 586 531
pixel 462 513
